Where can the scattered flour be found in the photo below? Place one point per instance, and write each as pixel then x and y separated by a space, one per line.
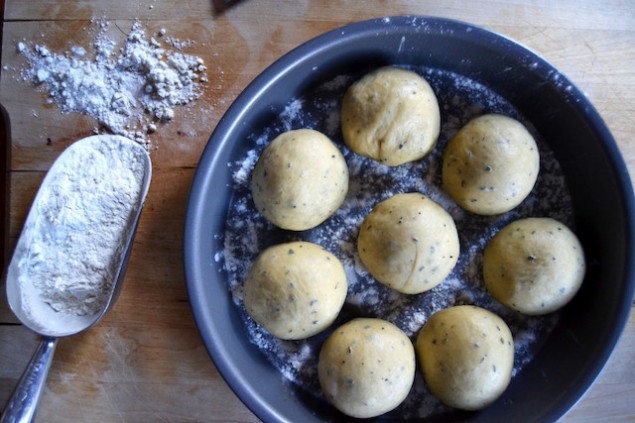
pixel 247 232
pixel 74 237
pixel 128 91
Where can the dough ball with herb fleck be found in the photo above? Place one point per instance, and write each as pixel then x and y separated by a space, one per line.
pixel 300 180
pixel 295 290
pixel 466 354
pixel 391 115
pixel 534 265
pixel 491 165
pixel 409 243
pixel 366 367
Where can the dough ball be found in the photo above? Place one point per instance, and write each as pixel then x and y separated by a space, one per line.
pixel 409 243
pixel 466 354
pixel 295 290
pixel 391 115
pixel 534 265
pixel 491 165
pixel 366 367
pixel 300 180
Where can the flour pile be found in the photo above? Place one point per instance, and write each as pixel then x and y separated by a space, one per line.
pixel 128 91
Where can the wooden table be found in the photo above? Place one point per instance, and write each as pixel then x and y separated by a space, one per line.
pixel 145 362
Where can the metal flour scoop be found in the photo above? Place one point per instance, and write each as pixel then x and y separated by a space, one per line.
pixel 35 301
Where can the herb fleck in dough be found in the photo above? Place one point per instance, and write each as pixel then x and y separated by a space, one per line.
pixel 491 165
pixel 300 180
pixel 409 243
pixel 295 290
pixel 466 354
pixel 391 115
pixel 534 265
pixel 366 367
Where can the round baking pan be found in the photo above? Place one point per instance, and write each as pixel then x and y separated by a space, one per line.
pixel 574 353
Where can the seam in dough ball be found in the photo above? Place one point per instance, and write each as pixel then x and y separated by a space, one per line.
pixel 391 115
pixel 366 367
pixel 491 165
pixel 466 354
pixel 534 265
pixel 300 180
pixel 295 290
pixel 409 243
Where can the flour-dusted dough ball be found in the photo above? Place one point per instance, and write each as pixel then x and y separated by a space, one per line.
pixel 466 354
pixel 366 367
pixel 491 165
pixel 300 180
pixel 295 290
pixel 391 115
pixel 534 265
pixel 409 243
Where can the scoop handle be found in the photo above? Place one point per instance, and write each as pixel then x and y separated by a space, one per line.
pixel 23 402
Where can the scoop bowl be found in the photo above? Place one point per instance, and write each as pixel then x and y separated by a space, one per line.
pixel 51 324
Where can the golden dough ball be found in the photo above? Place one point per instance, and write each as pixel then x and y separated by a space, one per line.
pixel 466 354
pixel 300 180
pixel 295 290
pixel 491 165
pixel 391 115
pixel 366 367
pixel 534 265
pixel 409 243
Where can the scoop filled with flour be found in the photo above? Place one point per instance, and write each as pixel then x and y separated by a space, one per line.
pixel 73 246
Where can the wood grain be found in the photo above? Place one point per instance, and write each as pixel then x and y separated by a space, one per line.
pixel 145 361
